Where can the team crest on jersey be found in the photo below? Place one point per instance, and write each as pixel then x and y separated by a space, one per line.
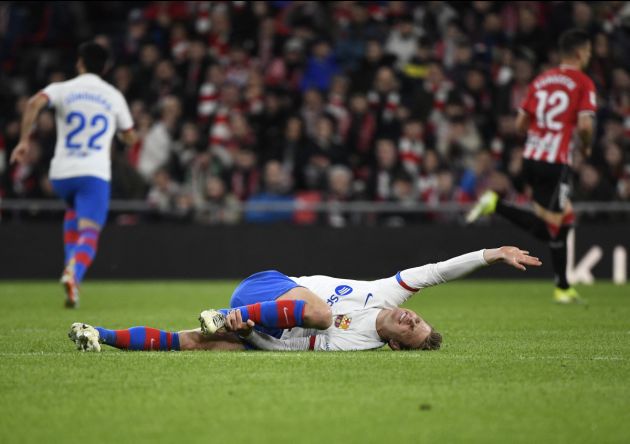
pixel 342 322
pixel 343 290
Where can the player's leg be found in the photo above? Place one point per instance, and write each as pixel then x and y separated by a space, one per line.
pixel 529 221
pixel 66 189
pixel 273 301
pixel 196 340
pixel 91 205
pixel 554 207
pixel 70 233
pixel 317 313
pixel 90 338
pixel 560 224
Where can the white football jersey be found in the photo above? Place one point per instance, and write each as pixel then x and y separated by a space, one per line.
pixel 355 306
pixel 88 113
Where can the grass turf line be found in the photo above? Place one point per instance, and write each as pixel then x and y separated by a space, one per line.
pixel 514 368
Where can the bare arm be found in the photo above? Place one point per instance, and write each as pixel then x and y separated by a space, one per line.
pixel 585 129
pixel 522 122
pixel 513 256
pixel 33 108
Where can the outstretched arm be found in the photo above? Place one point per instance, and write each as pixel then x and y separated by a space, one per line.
pixel 441 272
pixel 33 107
pixel 407 282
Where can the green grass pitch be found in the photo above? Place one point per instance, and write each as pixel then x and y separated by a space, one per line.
pixel 514 368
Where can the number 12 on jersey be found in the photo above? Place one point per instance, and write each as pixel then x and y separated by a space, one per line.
pixel 549 107
pixel 98 126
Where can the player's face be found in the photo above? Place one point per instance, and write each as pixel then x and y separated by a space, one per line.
pixel 407 328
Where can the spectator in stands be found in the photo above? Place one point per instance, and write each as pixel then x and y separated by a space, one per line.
pixel 380 183
pixel 411 147
pixel 321 152
pixel 363 77
pixel 360 135
pixel 287 71
pixel 446 191
pixel 615 161
pixel 404 193
pixel 164 192
pixel 402 40
pixel 275 190
pixel 427 180
pixel 289 149
pixel 475 180
pixel 339 190
pixel 320 68
pixel 458 139
pixel 245 176
pixel 157 146
pixel 255 79
pixel 216 205
pixel 384 100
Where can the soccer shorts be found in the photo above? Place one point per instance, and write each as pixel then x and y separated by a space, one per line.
pixel 262 287
pixel 550 182
pixel 88 196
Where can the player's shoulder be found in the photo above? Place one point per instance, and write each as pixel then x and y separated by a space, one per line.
pixel 60 85
pixel 110 89
pixel 579 76
pixel 561 76
pixel 543 74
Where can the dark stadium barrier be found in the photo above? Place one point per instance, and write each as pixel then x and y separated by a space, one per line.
pixel 171 251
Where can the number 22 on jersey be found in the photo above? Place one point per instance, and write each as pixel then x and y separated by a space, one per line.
pixel 95 127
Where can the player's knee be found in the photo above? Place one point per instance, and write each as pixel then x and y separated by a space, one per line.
pixel 319 317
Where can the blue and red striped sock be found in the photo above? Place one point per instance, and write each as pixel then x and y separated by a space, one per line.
pixel 286 313
pixel 140 338
pixel 84 252
pixel 70 233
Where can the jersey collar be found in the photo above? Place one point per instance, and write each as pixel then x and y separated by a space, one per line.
pixel 569 67
pixel 89 75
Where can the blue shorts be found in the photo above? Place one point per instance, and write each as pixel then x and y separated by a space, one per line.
pixel 262 287
pixel 88 196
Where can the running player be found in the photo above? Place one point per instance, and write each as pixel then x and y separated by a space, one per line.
pixel 312 312
pixel 88 113
pixel 558 102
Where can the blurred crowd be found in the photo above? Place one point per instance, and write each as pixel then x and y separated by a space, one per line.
pixel 283 101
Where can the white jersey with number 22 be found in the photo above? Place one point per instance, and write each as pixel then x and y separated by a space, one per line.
pixel 88 113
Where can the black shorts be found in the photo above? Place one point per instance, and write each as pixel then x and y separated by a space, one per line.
pixel 550 182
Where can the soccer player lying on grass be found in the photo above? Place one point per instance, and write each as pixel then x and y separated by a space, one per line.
pixel 271 311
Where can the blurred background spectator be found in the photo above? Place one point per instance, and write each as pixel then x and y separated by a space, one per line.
pixel 409 102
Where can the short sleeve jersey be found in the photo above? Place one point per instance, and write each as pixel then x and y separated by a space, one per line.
pixel 554 101
pixel 88 113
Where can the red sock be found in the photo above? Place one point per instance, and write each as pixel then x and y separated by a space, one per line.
pixel 275 314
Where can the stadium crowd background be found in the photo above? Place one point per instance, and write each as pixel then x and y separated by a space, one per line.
pixel 315 101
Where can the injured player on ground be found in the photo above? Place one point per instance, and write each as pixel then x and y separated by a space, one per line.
pixel 271 311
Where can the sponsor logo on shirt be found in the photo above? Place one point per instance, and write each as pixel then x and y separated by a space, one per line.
pixel 342 322
pixel 343 290
pixel 340 291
